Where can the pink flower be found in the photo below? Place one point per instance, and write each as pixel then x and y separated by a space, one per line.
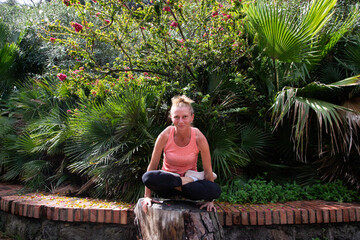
pixel 228 16
pixel 68 111
pixel 220 5
pixel 93 92
pixel 107 21
pixel 214 14
pixel 174 24
pixel 76 26
pixel 66 2
pixel 181 41
pixel 167 9
pixel 61 76
pixel 97 14
pixel 52 39
pixel 146 73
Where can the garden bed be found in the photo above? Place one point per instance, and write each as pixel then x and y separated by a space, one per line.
pixel 296 219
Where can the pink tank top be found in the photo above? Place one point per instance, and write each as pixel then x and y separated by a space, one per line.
pixel 180 159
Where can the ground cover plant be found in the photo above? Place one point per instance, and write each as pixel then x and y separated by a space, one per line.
pixel 260 191
pixel 274 93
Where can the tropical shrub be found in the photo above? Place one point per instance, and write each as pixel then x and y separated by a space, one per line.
pixel 111 143
pixel 295 46
pixel 111 68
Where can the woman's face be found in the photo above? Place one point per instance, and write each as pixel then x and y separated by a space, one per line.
pixel 181 116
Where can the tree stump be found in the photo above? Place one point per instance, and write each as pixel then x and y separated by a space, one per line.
pixel 177 220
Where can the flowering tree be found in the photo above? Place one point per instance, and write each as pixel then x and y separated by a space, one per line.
pixel 181 41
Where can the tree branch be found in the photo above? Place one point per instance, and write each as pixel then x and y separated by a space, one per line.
pixel 111 70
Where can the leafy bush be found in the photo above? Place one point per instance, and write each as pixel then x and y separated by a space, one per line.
pixel 259 190
pixel 120 63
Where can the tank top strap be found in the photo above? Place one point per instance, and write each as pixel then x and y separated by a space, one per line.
pixel 193 137
pixel 171 136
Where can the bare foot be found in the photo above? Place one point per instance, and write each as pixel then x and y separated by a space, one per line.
pixel 184 180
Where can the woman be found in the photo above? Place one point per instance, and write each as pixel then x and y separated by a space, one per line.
pixel 180 145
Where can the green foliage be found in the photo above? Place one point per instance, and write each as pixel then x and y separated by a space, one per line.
pixel 9 51
pixel 301 39
pixel 38 124
pixel 120 64
pixel 260 191
pixel 112 142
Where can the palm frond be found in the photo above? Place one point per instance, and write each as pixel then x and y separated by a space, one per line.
pixel 279 34
pixel 34 168
pixel 253 140
pixel 329 118
pixel 225 154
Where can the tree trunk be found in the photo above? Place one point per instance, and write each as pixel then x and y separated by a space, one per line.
pixel 177 220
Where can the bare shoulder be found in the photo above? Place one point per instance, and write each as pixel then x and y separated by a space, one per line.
pixel 164 135
pixel 200 137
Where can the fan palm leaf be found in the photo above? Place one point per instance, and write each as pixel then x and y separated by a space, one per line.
pixel 302 40
pixel 297 104
pixel 112 141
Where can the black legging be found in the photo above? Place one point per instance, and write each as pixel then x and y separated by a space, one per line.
pixel 163 184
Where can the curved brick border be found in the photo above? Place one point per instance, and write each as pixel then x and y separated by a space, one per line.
pixel 57 208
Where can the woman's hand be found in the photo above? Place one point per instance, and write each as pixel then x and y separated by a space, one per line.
pixel 209 206
pixel 146 203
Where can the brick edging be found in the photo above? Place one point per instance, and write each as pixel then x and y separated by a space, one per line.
pixel 297 212
pixel 27 208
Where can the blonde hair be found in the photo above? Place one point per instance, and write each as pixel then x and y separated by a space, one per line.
pixel 181 101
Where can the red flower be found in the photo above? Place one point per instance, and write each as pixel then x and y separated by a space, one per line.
pixel 94 1
pixel 174 24
pixel 214 14
pixel 66 2
pixel 61 76
pixel 52 39
pixel 167 9
pixel 107 21
pixel 77 26
pixel 143 28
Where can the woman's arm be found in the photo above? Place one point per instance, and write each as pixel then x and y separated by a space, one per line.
pixel 156 155
pixel 154 163
pixel 204 149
